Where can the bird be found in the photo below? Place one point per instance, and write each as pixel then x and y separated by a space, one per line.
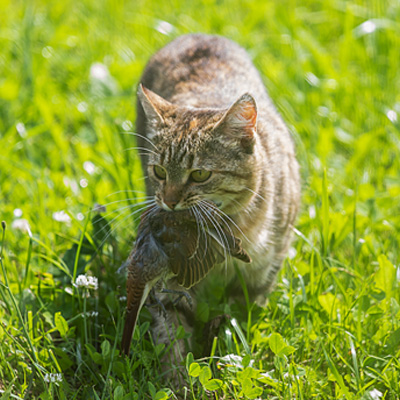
pixel 170 244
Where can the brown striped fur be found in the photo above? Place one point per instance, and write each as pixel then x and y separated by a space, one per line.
pixel 203 106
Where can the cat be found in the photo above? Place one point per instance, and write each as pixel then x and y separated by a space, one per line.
pixel 210 134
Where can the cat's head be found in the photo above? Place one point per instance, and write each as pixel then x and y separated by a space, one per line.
pixel 199 154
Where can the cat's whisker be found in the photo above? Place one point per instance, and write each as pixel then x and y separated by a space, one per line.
pixel 143 137
pixel 122 209
pixel 201 229
pixel 142 203
pixel 143 149
pixel 218 230
pixel 223 215
pixel 204 225
pixel 222 236
pixel 239 207
pixel 141 179
pixel 127 191
pixel 112 230
pixel 120 222
pixel 193 211
pixel 151 210
pixel 216 211
pixel 144 154
pixel 256 194
pixel 143 198
pixel 96 207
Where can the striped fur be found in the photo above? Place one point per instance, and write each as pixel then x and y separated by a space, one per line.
pixel 202 106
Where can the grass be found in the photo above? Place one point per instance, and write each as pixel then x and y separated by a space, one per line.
pixel 331 329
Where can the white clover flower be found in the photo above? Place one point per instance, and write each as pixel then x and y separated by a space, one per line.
pixel 21 129
pixel 375 394
pixel 18 213
pixel 86 281
pixel 89 167
pixel 22 225
pixel 368 27
pixel 164 27
pixel 99 71
pixel 232 360
pixel 53 378
pixel 80 216
pixel 392 115
pixel 102 82
pixel 90 314
pixel 61 216
pixel 82 107
pixel 69 290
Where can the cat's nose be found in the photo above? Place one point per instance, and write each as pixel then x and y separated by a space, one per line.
pixel 172 195
pixel 171 203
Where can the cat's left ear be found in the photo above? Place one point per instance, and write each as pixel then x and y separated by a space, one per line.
pixel 240 121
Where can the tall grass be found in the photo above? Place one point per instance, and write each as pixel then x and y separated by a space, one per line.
pixel 68 72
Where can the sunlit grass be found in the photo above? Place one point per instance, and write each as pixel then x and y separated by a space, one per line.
pixel 68 73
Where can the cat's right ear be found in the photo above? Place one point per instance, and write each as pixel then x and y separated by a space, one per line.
pixel 239 123
pixel 153 105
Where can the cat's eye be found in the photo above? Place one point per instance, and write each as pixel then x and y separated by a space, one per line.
pixel 160 172
pixel 200 175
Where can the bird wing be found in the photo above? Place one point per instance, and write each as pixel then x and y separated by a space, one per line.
pixel 198 252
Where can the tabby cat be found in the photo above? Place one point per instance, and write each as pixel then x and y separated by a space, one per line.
pixel 210 134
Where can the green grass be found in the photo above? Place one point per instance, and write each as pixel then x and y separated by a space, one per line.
pixel 331 329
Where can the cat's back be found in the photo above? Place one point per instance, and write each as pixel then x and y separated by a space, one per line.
pixel 204 78
pixel 203 71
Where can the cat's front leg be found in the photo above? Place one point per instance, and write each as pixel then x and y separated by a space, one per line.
pixel 167 329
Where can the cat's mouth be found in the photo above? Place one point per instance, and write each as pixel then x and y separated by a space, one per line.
pixel 171 207
pixel 180 207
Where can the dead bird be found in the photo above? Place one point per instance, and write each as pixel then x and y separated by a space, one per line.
pixel 173 245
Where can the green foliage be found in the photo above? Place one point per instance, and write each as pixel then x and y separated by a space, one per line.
pixel 68 73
